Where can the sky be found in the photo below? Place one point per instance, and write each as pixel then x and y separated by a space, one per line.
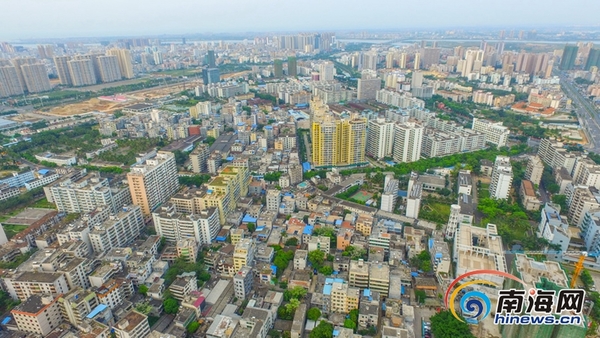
pixel 26 19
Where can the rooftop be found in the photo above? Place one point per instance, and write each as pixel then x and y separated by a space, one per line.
pixel 130 321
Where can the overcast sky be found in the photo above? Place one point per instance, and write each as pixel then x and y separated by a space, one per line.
pixel 23 19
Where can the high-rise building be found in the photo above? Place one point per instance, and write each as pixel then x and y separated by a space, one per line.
pixel 380 138
pixel 535 169
pixel 9 82
pixel 502 176
pixel 369 60
pixel 408 138
pixel 158 58
pixel 593 59
pixel 82 72
pixel 417 61
pixel 175 225
pixel 199 157
pixel 224 190
pixel 77 304
pixel 154 182
pixel 326 71
pixel 417 79
pixel 211 61
pixel 495 133
pixel 402 61
pixel 36 78
pixel 18 62
pixel 125 63
pixel 390 193
pixel 292 66
pixel 278 68
pixel 367 88
pixel 569 56
pixel 431 56
pixel 120 230
pixel 338 142
pixel 87 193
pixel 108 66
pixel 62 70
pixel 211 75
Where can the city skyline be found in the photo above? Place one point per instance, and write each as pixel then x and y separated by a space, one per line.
pixel 46 19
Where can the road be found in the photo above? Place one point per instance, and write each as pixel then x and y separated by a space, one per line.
pixel 307 147
pixel 588 116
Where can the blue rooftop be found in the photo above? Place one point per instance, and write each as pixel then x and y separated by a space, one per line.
pixel 97 310
pixel 6 320
pixel 306 166
pixel 261 228
pixel 221 238
pixel 274 268
pixel 338 222
pixel 230 158
pixel 336 333
pixel 308 230
pixel 327 289
pixel 366 293
pixel 43 171
pixel 402 193
pixel 249 219
pixel 268 127
pixel 430 243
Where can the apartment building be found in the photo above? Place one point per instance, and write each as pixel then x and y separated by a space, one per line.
pixel 358 274
pixel 344 298
pixel 586 172
pixel 132 325
pixel 243 254
pixel 242 282
pixel 408 140
pixel 379 277
pixel 528 197
pixel 124 61
pixel 555 155
pixel 273 200
pixel 82 72
pixel 495 133
pixel 300 259
pixel 322 243
pixel 174 226
pixel 199 157
pixel 87 193
pixel 38 314
pixel 24 285
pixel 338 142
pixel 183 285
pixel 580 199
pixel 108 67
pixel 380 138
pixel 555 229
pixel 119 230
pixel 364 224
pixel 535 169
pixel 77 304
pixel 480 248
pixel 35 77
pixel 153 182
pixel 502 176
pixel 114 292
pixel 390 193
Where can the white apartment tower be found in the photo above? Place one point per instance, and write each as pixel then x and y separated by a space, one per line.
pixel 408 138
pixel 495 133
pixel 535 169
pixel 380 138
pixel 390 193
pixel 501 178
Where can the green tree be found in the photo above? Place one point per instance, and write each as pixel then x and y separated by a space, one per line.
pixel 586 279
pixel 204 276
pixel 209 140
pixel 420 295
pixel 313 313
pixel 251 227
pixel 170 306
pixel 274 333
pixel 292 306
pixel 143 290
pixel 349 324
pixel 444 325
pixel 326 270
pixel 193 327
pixel 316 258
pixel 323 330
pixel 292 241
pixel 560 200
pixel 296 292
pixel 144 308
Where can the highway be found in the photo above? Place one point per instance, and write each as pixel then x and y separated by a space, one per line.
pixel 588 116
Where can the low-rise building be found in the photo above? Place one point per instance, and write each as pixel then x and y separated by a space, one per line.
pixel 38 314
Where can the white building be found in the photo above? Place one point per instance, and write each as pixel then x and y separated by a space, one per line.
pixel 553 227
pixel 495 133
pixel 242 282
pixel 413 200
pixel 119 230
pixel 380 138
pixel 273 199
pixel 390 194
pixel 174 226
pixel 408 138
pixel 535 169
pixel 501 178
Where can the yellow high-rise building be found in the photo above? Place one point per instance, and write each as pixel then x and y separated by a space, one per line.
pixel 125 63
pixel 338 142
pixel 224 190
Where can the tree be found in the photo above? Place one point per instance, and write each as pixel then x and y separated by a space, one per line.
pixel 445 325
pixel 274 333
pixel 323 330
pixel 193 327
pixel 349 324
pixel 251 227
pixel 560 200
pixel 171 306
pixel 296 292
pixel 313 313
pixel 209 140
pixel 292 306
pixel 144 308
pixel 316 258
pixel 420 295
pixel 586 279
pixel 143 290
pixel 292 241
pixel 326 270
pixel 204 276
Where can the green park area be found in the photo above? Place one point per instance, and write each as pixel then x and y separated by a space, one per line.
pixel 12 229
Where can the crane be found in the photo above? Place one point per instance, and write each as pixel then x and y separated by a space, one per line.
pixel 578 266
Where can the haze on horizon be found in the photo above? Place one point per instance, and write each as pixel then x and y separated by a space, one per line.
pixel 32 19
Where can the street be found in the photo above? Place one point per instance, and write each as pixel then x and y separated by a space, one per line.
pixel 588 116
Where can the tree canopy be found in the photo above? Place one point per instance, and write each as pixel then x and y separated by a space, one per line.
pixel 323 330
pixel 444 325
pixel 313 313
pixel 170 306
